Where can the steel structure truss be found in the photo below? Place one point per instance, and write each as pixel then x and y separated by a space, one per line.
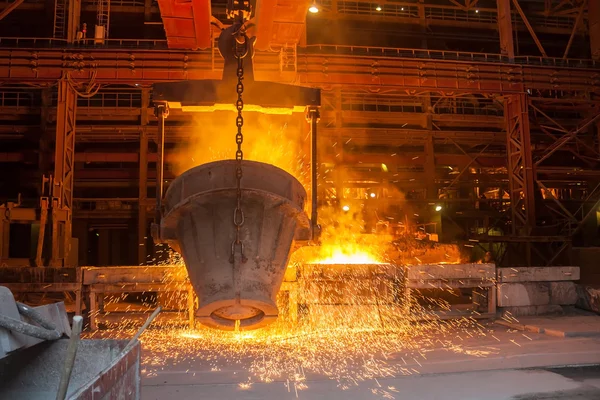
pixel 63 180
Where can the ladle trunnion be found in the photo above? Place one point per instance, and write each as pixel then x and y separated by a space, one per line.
pixel 197 219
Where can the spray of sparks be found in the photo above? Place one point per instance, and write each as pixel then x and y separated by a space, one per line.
pixel 345 315
pixel 354 323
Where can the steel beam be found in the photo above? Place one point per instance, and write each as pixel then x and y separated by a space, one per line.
pixel 318 66
pixel 507 47
pixel 429 167
pixel 10 8
pixel 530 28
pixel 520 165
pixel 45 152
pixel 489 160
pixel 143 180
pixel 575 26
pixel 594 27
pixel 64 163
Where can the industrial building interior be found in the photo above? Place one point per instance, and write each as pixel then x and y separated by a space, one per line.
pixel 292 192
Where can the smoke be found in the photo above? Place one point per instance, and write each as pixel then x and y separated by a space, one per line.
pixel 274 139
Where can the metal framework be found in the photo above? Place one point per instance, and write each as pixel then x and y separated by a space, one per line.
pixel 520 165
pixel 449 126
pixel 64 167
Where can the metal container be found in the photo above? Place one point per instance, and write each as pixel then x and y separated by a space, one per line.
pixel 198 222
pixel 101 371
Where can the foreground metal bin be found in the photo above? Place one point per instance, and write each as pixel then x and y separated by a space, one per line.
pixel 101 371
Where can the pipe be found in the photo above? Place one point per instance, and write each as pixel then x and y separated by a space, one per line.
pixel 65 377
pixel 160 114
pixel 141 330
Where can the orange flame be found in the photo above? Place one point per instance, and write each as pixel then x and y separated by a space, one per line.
pixel 343 242
pixel 271 139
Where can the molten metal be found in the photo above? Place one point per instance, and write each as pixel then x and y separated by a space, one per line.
pixel 198 222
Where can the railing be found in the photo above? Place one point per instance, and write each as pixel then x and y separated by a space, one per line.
pixel 372 9
pixel 447 55
pixel 450 14
pixel 321 49
pixel 117 3
pixel 111 100
pixel 447 12
pixel 89 43
pixel 19 99
pixel 377 107
pixel 105 204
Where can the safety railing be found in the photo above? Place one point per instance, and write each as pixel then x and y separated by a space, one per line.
pixel 321 49
pixel 117 3
pixel 111 100
pixel 551 21
pixel 88 43
pixel 469 106
pixel 105 204
pixel 378 107
pixel 19 99
pixel 373 9
pixel 452 14
pixel 447 55
pixel 442 12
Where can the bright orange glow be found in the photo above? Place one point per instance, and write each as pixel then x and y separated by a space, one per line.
pixel 347 255
pixel 271 139
pixel 343 241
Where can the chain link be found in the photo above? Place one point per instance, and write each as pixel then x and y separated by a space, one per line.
pixel 238 214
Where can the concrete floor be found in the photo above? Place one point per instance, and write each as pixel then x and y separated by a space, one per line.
pixel 489 385
pixel 508 364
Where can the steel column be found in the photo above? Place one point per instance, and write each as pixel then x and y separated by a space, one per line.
pixel 505 29
pixel 313 116
pixel 143 179
pixel 575 26
pixel 45 152
pixel 161 111
pixel 520 165
pixel 429 166
pixel 529 28
pixel 594 27
pixel 74 15
pixel 64 162
pixel 339 168
pixel 10 8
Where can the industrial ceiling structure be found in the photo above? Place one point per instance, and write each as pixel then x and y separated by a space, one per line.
pixel 483 115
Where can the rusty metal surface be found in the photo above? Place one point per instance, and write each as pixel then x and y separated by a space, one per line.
pixel 134 274
pixel 186 23
pixel 198 216
pixel 322 65
pixel 279 23
pixel 100 371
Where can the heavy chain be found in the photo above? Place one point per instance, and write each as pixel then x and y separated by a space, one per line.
pixel 238 214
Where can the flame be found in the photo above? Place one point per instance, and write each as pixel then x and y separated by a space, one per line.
pixel 271 139
pixel 343 242
pixel 356 256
